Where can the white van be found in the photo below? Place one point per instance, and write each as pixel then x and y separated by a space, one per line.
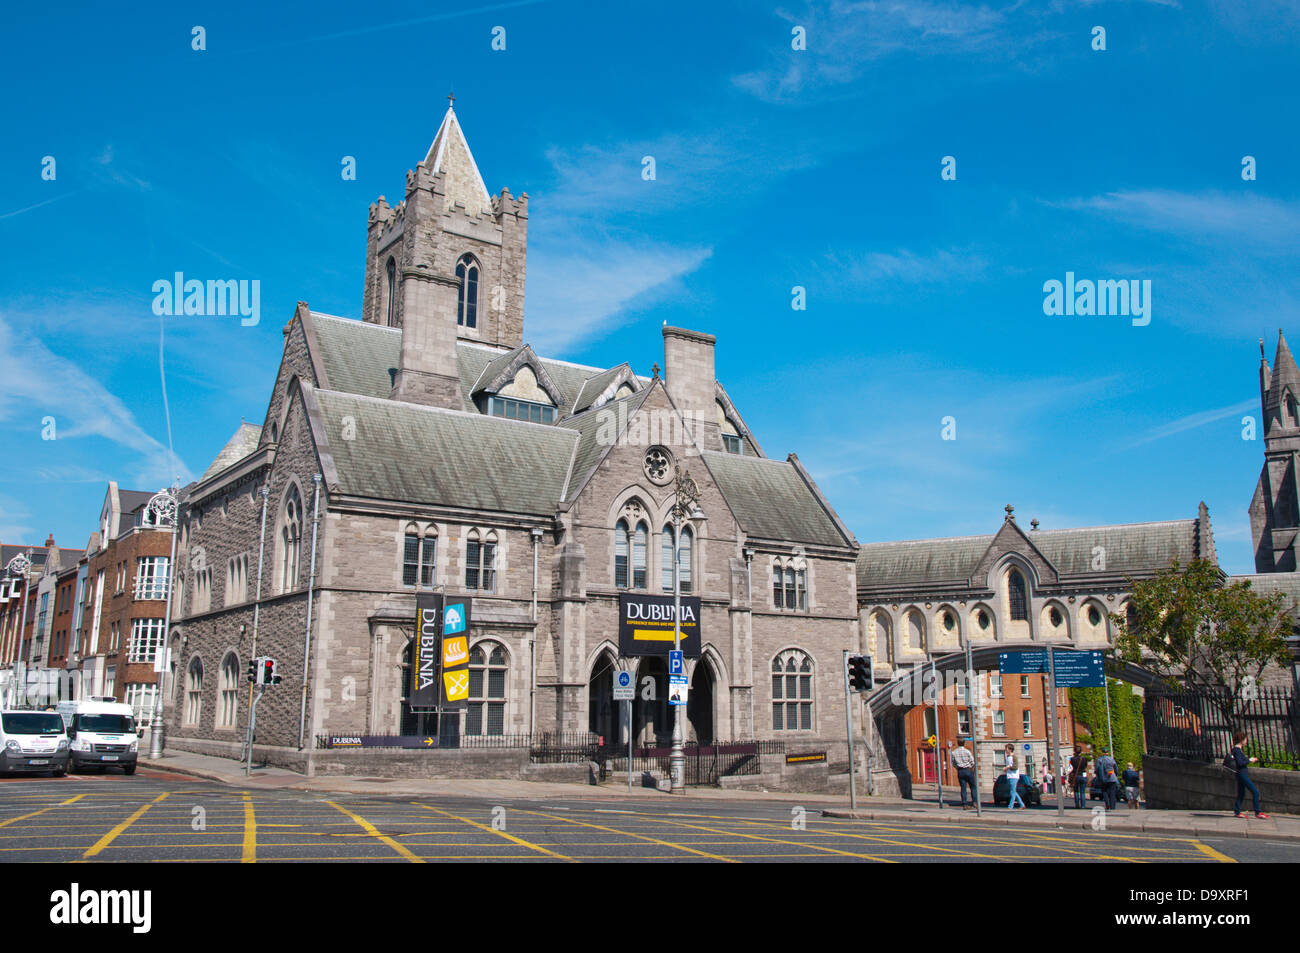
pixel 33 741
pixel 101 732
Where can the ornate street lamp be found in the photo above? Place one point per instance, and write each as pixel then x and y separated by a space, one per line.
pixel 163 508
pixel 686 498
pixel 21 566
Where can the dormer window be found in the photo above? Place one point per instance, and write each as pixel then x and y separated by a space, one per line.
pixel 467 303
pixel 521 410
pixel 733 443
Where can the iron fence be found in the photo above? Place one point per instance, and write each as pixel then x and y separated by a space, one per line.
pixel 543 748
pixel 1198 725
pixel 705 764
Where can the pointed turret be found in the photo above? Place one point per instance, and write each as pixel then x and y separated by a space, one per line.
pixel 449 153
pixel 1265 379
pixel 1281 413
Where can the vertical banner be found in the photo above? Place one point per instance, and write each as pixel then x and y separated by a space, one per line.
pixel 426 687
pixel 455 653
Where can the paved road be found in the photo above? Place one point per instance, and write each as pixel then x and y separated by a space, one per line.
pixel 160 817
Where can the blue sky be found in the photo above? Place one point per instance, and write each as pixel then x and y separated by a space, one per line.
pixel 775 168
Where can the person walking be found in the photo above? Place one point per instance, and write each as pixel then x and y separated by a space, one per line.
pixel 1013 780
pixel 1132 780
pixel 1079 776
pixel 1108 777
pixel 964 762
pixel 1237 761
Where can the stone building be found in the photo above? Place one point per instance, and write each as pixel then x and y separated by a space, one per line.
pixel 451 455
pixel 923 599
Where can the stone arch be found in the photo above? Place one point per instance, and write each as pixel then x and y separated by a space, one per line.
pixel 980 632
pixel 880 634
pixel 1087 630
pixel 912 631
pixel 1060 631
pixel 945 635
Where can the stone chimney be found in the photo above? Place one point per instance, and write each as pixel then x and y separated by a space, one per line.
pixel 690 378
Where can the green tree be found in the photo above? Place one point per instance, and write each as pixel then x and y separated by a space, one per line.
pixel 1088 708
pixel 1193 631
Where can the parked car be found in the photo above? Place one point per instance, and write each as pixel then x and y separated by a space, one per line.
pixel 1031 792
pixel 33 741
pixel 102 734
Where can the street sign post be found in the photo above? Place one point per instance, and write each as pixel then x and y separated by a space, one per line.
pixel 676 663
pixel 624 690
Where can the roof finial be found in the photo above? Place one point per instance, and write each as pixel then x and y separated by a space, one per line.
pixel 451 100
pixel 1261 350
pixel 1033 524
pixel 1010 510
pixel 654 369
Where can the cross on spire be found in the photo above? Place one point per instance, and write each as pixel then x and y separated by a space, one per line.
pixel 451 100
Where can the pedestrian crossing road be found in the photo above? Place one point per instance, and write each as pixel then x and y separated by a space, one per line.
pixel 164 818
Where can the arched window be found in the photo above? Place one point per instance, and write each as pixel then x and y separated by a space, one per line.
pixel 1016 596
pixel 621 580
pixel 291 540
pixel 915 631
pixel 194 692
pixel 684 552
pixel 467 302
pixel 227 708
pixel 486 714
pixel 640 549
pixel 391 269
pixel 418 556
pixel 792 691
pixel 481 562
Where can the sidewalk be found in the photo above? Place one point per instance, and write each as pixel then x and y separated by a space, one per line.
pixel 923 809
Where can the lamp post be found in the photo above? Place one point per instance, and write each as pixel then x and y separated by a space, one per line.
pixel 164 510
pixel 20 565
pixel 686 497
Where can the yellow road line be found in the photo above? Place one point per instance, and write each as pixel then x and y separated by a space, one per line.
pixel 249 855
pixel 374 832
pixel 1211 852
pixel 15 820
pixel 773 840
pixel 108 838
pixel 492 830
pixel 643 837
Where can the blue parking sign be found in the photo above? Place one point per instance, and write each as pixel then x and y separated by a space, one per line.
pixel 675 664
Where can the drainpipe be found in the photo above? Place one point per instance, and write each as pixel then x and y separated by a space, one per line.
pixel 532 643
pixel 311 583
pixel 749 593
pixel 257 602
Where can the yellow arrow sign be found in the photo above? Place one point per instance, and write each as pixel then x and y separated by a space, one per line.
pixel 428 741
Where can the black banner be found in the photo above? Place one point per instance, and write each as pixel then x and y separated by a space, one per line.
pixel 426 683
pixel 645 625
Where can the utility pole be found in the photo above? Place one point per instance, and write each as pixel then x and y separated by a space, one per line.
pixel 686 495
pixel 165 507
pixel 848 726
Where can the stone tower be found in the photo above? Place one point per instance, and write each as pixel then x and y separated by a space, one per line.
pixel 1274 514
pixel 446 264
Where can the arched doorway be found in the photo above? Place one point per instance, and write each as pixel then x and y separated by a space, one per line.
pixel 699 704
pixel 652 724
pixel 602 712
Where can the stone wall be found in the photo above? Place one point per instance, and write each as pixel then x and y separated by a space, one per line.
pixel 1190 785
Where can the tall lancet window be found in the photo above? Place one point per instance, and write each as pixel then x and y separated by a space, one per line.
pixel 392 293
pixel 467 304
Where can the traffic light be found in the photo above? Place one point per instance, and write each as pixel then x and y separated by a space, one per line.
pixel 860 675
pixel 252 671
pixel 267 671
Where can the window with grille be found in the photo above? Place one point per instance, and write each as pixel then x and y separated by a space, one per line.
pixel 995 686
pixel 146 638
pixel 486 710
pixel 621 580
pixel 1024 686
pixel 792 691
pixel 999 723
pixel 141 696
pixel 480 563
pixel 685 549
pixel 467 298
pixel 419 556
pixel 963 722
pixel 789 588
pixel 151 577
pixel 228 692
pixel 1027 722
pixel 515 409
pixel 291 540
pixel 194 692
pixel 640 550
pixel 1016 596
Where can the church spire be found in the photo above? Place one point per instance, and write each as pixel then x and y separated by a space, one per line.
pixel 449 153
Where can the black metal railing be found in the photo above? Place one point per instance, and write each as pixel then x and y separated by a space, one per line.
pixel 705 764
pixel 543 748
pixel 1198 725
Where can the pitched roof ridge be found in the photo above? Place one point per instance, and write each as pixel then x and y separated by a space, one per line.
pixel 604 406
pixel 435 410
pixel 339 317
pixel 1084 529
pixel 745 456
pixel 929 539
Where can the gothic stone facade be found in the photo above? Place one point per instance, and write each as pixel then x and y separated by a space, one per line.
pixel 451 455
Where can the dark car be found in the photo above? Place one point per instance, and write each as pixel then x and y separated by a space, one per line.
pixel 1097 790
pixel 1031 792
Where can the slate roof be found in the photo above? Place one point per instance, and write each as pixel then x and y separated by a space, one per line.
pixel 589 450
pixel 1130 548
pixel 418 454
pixel 771 500
pixel 241 444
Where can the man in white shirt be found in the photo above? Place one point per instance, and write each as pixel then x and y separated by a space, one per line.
pixel 964 762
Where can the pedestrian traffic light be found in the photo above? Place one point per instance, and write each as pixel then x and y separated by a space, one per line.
pixel 860 676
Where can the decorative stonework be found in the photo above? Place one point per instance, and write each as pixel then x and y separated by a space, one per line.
pixel 659 466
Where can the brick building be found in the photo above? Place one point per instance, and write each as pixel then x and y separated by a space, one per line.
pixel 452 455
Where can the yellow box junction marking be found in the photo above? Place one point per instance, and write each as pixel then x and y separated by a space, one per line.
pixel 111 836
pixel 374 832
pixel 491 830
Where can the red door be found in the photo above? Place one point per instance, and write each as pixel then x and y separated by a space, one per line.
pixel 929 766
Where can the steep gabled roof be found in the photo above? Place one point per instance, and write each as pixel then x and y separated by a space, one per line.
pixel 772 500
pixel 449 153
pixel 243 442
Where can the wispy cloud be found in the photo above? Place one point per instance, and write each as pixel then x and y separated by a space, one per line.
pixel 40 382
pixel 1206 216
pixel 1192 422
pixel 908 267
pixel 57 198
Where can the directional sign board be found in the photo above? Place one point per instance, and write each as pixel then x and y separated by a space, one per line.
pixel 624 689
pixel 677 689
pixel 1073 669
pixel 676 666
